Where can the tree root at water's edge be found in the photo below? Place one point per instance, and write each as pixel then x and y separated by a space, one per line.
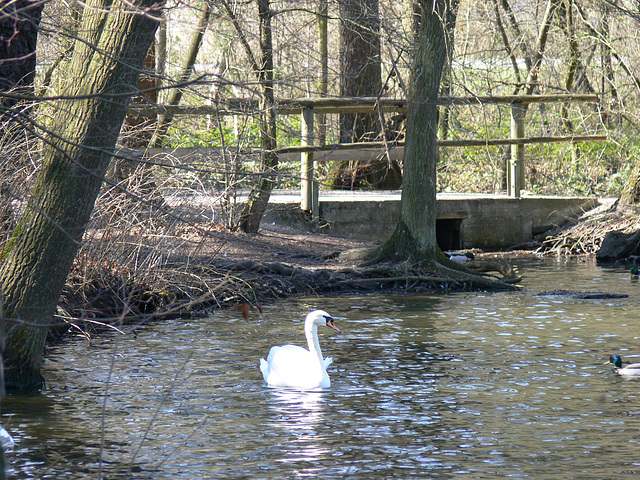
pixel 89 306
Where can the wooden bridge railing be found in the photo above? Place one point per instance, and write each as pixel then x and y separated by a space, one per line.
pixel 309 107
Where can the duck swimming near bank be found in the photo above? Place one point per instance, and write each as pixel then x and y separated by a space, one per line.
pixel 630 370
pixel 296 367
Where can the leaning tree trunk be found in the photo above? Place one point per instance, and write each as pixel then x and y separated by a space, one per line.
pixel 415 235
pixel 79 146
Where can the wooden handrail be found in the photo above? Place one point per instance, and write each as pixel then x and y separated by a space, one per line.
pixel 292 106
pixel 310 106
pixel 444 143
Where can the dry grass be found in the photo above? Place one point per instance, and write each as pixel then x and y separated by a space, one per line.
pixel 585 234
pixel 144 257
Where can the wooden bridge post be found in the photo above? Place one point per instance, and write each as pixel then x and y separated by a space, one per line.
pixel 315 204
pixel 515 172
pixel 306 161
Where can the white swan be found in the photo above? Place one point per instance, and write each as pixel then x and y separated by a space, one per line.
pixel 297 367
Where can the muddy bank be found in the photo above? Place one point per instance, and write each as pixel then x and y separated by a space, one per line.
pixel 200 267
pixel 202 271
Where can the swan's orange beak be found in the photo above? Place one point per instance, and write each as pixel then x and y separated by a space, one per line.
pixel 330 324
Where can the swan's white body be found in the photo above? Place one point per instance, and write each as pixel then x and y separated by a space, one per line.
pixel 297 367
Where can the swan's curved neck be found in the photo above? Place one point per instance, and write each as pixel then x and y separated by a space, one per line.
pixel 311 332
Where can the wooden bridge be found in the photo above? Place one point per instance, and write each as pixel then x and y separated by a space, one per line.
pixel 309 153
pixel 466 220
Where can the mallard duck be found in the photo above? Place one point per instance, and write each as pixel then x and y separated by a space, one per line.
pixel 296 367
pixel 635 273
pixel 459 256
pixel 631 370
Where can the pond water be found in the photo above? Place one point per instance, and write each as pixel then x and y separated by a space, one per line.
pixel 468 385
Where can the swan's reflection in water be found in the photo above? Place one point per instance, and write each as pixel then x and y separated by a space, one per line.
pixel 298 414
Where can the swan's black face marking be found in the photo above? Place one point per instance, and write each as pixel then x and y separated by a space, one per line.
pixel 330 324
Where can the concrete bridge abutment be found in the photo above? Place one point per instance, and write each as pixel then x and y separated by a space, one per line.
pixel 463 220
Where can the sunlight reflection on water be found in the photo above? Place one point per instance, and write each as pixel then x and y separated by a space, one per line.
pixel 424 386
pixel 299 414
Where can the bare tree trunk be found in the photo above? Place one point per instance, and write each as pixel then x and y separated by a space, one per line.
pixel 256 204
pixel 19 23
pixel 138 129
pixel 447 76
pixel 114 41
pixel 533 60
pixel 175 94
pixel 161 53
pixel 609 118
pixel 538 51
pixel 415 235
pixel 360 65
pixel 360 76
pixel 518 33
pixel 505 39
pixel 323 48
pixel 576 72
